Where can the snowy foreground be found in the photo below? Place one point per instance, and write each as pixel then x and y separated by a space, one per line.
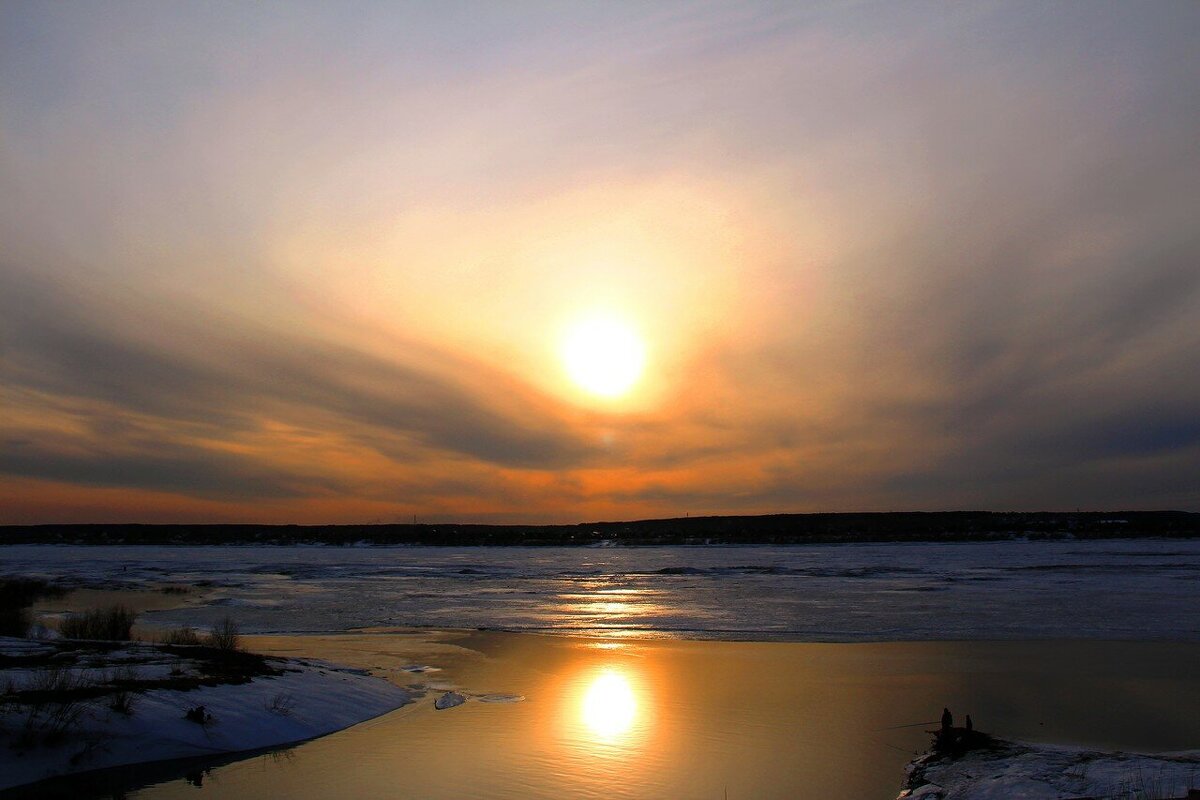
pixel 284 701
pixel 1017 771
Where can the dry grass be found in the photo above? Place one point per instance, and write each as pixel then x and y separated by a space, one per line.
pixel 62 683
pixel 109 624
pixel 225 635
pixel 121 699
pixel 183 636
pixel 54 704
pixel 281 704
pixel 1161 786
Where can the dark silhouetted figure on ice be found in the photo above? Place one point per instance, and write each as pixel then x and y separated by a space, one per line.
pixel 951 741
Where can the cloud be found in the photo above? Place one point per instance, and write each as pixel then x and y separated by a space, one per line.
pixel 166 467
pixel 894 259
pixel 108 371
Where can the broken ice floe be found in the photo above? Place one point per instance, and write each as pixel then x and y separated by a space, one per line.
pixel 500 698
pixel 449 700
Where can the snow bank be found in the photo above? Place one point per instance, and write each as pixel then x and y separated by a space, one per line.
pixel 1045 772
pixel 307 699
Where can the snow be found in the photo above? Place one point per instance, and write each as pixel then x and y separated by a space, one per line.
pixel 1018 771
pixel 310 698
pixel 15 648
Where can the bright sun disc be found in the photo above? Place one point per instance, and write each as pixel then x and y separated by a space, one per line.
pixel 603 356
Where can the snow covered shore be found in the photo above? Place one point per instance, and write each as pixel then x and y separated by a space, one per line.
pixel 75 707
pixel 1019 771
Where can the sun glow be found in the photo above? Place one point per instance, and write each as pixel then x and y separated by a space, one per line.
pixel 609 705
pixel 603 356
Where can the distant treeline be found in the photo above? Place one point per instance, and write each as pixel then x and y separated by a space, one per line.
pixel 767 529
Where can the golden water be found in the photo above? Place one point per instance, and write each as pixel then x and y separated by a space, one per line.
pixel 690 719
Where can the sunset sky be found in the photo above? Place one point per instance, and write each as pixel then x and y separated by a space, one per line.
pixel 279 262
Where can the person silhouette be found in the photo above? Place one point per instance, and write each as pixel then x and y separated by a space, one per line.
pixel 969 726
pixel 947 719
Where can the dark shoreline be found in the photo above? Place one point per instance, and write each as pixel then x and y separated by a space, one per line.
pixel 820 528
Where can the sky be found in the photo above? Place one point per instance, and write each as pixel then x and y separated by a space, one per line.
pixel 309 263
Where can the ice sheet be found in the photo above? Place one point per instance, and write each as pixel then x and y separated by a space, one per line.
pixel 1134 589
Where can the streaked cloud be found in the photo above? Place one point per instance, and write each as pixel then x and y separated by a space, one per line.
pixel 313 263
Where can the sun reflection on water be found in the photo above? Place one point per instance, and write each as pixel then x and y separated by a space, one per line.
pixel 607 645
pixel 608 611
pixel 609 705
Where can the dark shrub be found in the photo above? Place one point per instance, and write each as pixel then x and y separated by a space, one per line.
pixel 14 622
pixel 111 624
pixel 122 680
pixel 54 704
pixel 184 635
pixel 281 704
pixel 16 595
pixel 198 715
pixel 224 635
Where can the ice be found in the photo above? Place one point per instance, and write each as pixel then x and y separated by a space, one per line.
pixel 449 700
pixel 309 699
pixel 1110 589
pixel 500 698
pixel 1049 772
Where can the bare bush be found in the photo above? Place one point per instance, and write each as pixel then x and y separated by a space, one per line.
pixel 56 679
pixel 16 595
pixel 184 636
pixel 9 698
pixel 121 699
pixel 225 635
pixel 111 624
pixel 15 622
pixel 198 715
pixel 54 704
pixel 281 704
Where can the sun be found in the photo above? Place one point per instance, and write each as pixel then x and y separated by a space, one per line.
pixel 603 356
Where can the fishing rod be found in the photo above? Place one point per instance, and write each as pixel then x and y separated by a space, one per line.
pixel 910 725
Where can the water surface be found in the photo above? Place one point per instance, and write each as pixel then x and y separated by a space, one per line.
pixel 680 672
pixel 706 719
pixel 1144 589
